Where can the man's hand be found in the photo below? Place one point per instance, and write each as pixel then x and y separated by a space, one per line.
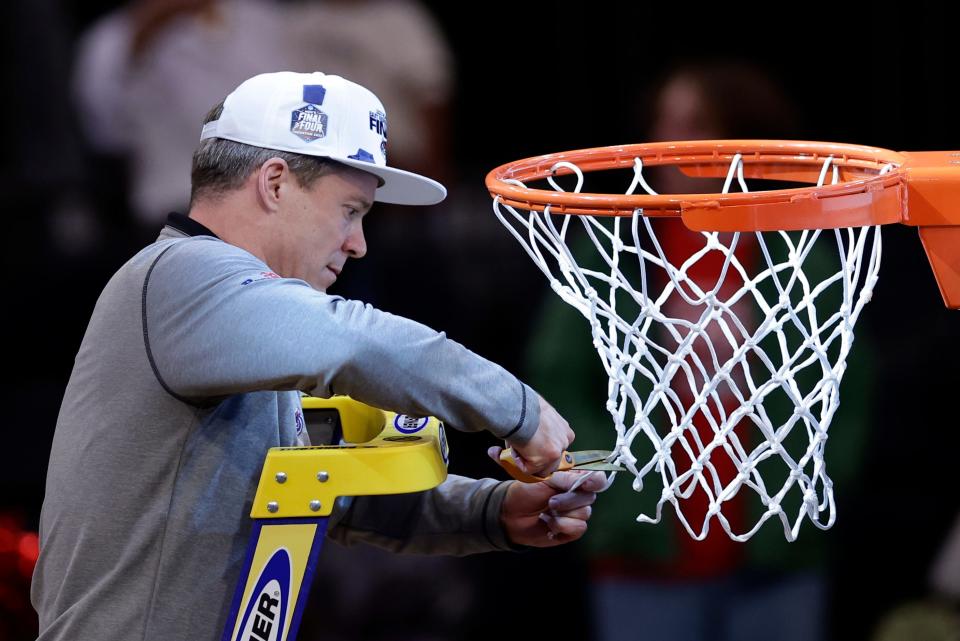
pixel 547 513
pixel 540 456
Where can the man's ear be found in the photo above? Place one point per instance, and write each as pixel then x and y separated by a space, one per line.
pixel 270 181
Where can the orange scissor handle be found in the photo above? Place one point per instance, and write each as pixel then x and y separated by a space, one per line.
pixel 509 463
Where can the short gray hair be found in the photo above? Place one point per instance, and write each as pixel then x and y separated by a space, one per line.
pixel 220 166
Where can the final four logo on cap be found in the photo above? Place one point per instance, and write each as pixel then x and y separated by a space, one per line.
pixel 308 122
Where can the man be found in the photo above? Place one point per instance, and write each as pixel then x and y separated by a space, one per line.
pixel 194 357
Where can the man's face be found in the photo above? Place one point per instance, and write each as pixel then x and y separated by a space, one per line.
pixel 320 227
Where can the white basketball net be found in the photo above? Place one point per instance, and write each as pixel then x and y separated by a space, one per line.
pixel 715 390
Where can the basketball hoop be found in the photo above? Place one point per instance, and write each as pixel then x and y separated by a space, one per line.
pixel 725 359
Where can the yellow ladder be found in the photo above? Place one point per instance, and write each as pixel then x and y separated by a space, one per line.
pixel 380 453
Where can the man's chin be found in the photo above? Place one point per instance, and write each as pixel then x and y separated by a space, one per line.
pixel 326 279
pixel 329 277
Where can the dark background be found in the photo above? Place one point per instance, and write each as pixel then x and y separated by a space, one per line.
pixel 533 78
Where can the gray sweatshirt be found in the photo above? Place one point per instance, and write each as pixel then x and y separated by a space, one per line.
pixel 190 369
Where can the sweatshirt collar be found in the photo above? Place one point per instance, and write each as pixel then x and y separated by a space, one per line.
pixel 188 225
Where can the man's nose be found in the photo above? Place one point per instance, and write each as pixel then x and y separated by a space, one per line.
pixel 356 245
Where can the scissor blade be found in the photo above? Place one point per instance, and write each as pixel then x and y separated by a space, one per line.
pixel 602 467
pixel 589 456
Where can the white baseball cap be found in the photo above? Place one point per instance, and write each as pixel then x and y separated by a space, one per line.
pixel 320 115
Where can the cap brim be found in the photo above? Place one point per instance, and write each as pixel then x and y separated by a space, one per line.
pixel 400 187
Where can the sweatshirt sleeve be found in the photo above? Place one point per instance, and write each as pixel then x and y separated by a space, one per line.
pixel 217 322
pixel 461 516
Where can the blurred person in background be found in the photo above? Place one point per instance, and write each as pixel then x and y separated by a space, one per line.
pixel 655 581
pixel 146 73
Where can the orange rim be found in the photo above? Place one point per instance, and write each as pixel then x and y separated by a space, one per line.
pixel 863 196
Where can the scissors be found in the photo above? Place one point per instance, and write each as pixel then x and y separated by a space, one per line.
pixel 583 460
